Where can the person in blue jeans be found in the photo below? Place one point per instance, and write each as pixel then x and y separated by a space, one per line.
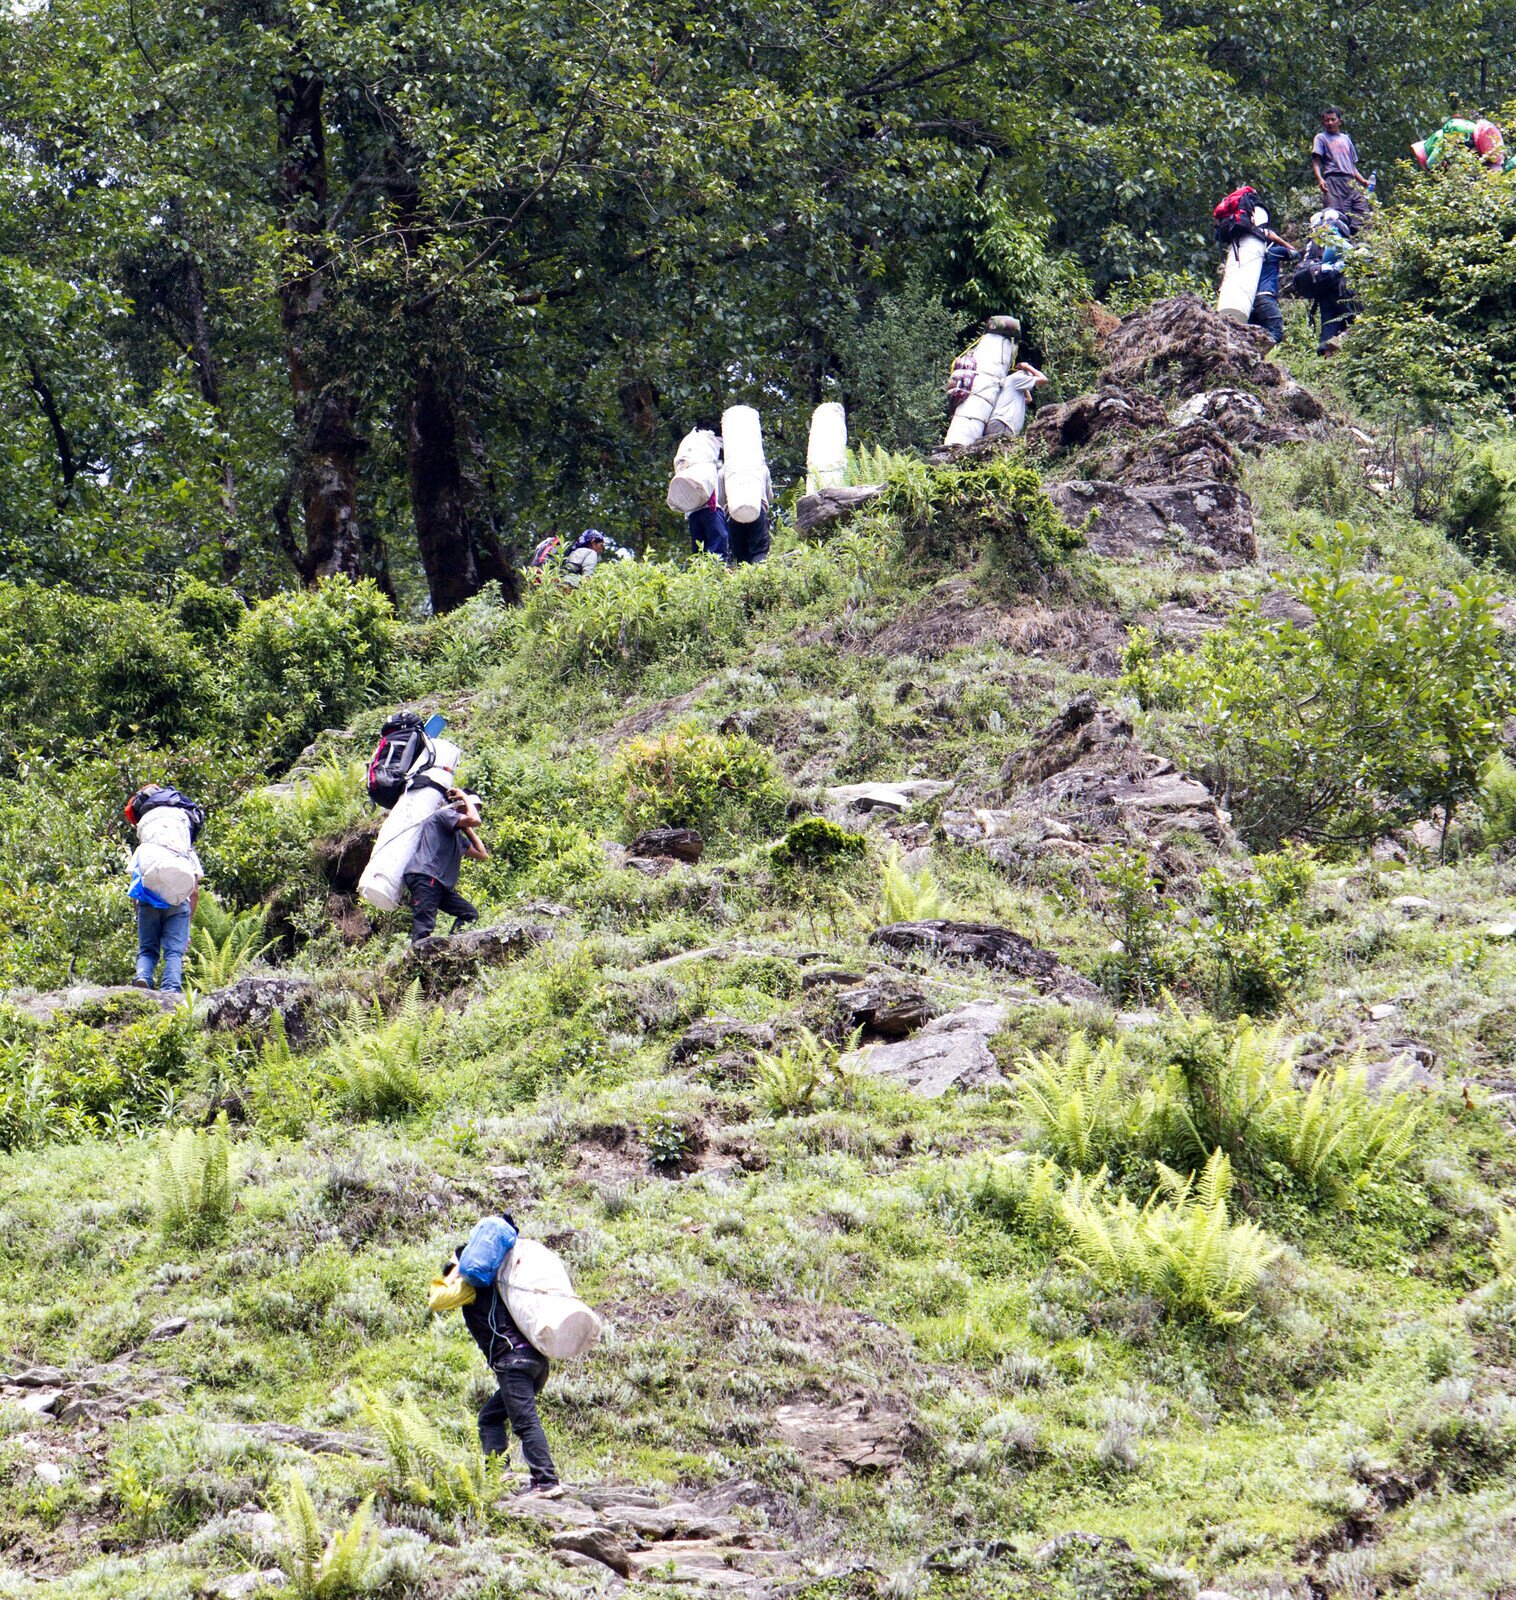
pixel 163 928
pixel 1266 313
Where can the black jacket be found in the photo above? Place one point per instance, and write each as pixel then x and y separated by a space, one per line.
pixel 500 1341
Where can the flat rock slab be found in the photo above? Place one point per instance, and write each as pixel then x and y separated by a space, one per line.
pixel 1202 521
pixel 445 960
pixel 714 1566
pixel 251 1003
pixel 885 1010
pixel 952 1052
pixel 712 1034
pixel 839 1439
pixel 53 1003
pixel 829 506
pixel 676 844
pixel 899 796
pixel 987 945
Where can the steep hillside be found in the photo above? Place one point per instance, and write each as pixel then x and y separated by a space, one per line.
pixel 956 1231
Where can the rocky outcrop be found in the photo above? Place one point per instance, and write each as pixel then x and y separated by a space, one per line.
pixel 884 1009
pixel 672 844
pixel 1174 518
pixel 840 1439
pixel 985 944
pixel 100 1005
pixel 341 860
pixel 1084 783
pixel 951 1052
pixel 446 960
pixel 1111 411
pixel 250 1005
pixel 1183 345
pixel 828 506
pixel 714 1035
pixel 898 796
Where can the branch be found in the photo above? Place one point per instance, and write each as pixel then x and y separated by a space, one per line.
pixel 67 466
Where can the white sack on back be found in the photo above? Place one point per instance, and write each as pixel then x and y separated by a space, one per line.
pixel 695 471
pixel 383 880
pixel 746 474
pixel 542 1302
pixel 1241 272
pixel 826 452
pixel 994 356
pixel 166 860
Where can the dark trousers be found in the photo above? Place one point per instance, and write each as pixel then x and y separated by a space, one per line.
pixel 1348 198
pixel 428 897
pixel 515 1402
pixel 750 540
pixel 1336 310
pixel 709 531
pixel 1267 315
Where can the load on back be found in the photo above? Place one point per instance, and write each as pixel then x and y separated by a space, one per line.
pixel 411 771
pixel 167 824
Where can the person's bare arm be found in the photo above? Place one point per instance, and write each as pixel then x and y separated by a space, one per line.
pixel 1321 182
pixel 195 899
pixel 476 850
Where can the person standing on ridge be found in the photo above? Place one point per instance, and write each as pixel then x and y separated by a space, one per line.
pixel 167 824
pixel 431 880
pixel 1334 159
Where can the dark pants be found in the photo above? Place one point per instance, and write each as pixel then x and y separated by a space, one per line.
pixel 1347 197
pixel 515 1402
pixel 428 897
pixel 709 532
pixel 750 540
pixel 1336 311
pixel 1267 315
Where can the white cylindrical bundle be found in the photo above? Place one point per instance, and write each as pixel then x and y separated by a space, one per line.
pixel 383 880
pixel 696 471
pixel 826 452
pixel 745 472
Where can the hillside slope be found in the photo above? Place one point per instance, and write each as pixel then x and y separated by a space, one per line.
pixel 979 1312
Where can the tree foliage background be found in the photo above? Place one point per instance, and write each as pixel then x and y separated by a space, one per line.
pixel 390 289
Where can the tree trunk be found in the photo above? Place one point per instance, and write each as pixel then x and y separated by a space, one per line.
pixel 456 534
pixel 210 392
pixel 327 443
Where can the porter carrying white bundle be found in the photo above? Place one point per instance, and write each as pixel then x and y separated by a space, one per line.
pixel 542 1302
pixel 383 880
pixel 826 453
pixel 982 371
pixel 746 473
pixel 697 471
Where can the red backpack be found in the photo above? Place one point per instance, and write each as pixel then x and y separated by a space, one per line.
pixel 1233 214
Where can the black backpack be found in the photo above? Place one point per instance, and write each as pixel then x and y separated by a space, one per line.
pixel 403 747
pixel 144 801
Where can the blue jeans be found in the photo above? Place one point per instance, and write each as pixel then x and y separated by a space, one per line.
pixel 166 932
pixel 708 531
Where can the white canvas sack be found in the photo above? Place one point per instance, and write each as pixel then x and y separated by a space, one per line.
pixel 826 451
pixel 994 356
pixel 747 475
pixel 695 471
pixel 542 1302
pixel 383 880
pixel 1240 275
pixel 166 860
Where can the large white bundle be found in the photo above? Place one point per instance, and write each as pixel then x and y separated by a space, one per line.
pixel 994 356
pixel 1239 278
pixel 166 859
pixel 695 471
pixel 745 471
pixel 542 1302
pixel 383 880
pixel 826 452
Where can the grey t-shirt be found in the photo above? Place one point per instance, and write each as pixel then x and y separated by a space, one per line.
pixel 439 850
pixel 1337 154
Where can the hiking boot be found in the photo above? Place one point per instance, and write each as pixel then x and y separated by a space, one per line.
pixel 141 983
pixel 546 1491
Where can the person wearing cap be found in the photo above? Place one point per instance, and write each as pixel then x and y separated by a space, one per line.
pixel 584 557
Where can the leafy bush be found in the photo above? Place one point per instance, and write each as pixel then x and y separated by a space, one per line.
pixel 1135 909
pixel 1080 1103
pixel 193 1194
pixel 814 844
pixel 1388 706
pixel 224 942
pixel 376 1064
pixel 421 1467
pixel 1436 291
pixel 317 1568
pixel 1503 1247
pixel 894 365
pixel 1248 932
pixel 688 778
pixel 308 659
pixel 993 504
pixel 789 1079
pixel 1181 1247
pixel 332 798
pixel 909 897
pixel 1497 800
pixel 1481 511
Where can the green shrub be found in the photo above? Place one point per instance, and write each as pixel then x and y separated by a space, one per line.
pixel 1481 511
pixel 376 1063
pixel 223 943
pixel 421 1468
pixel 308 659
pixel 318 1568
pixel 719 784
pixel 814 844
pixel 287 1096
pixel 1503 1247
pixel 788 1080
pixel 1080 1103
pixel 1249 935
pixel 332 798
pixel 193 1194
pixel 1497 800
pixel 991 504
pixel 1141 917
pixel 908 897
pixel 1181 1247
pixel 209 612
pixel 1389 706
